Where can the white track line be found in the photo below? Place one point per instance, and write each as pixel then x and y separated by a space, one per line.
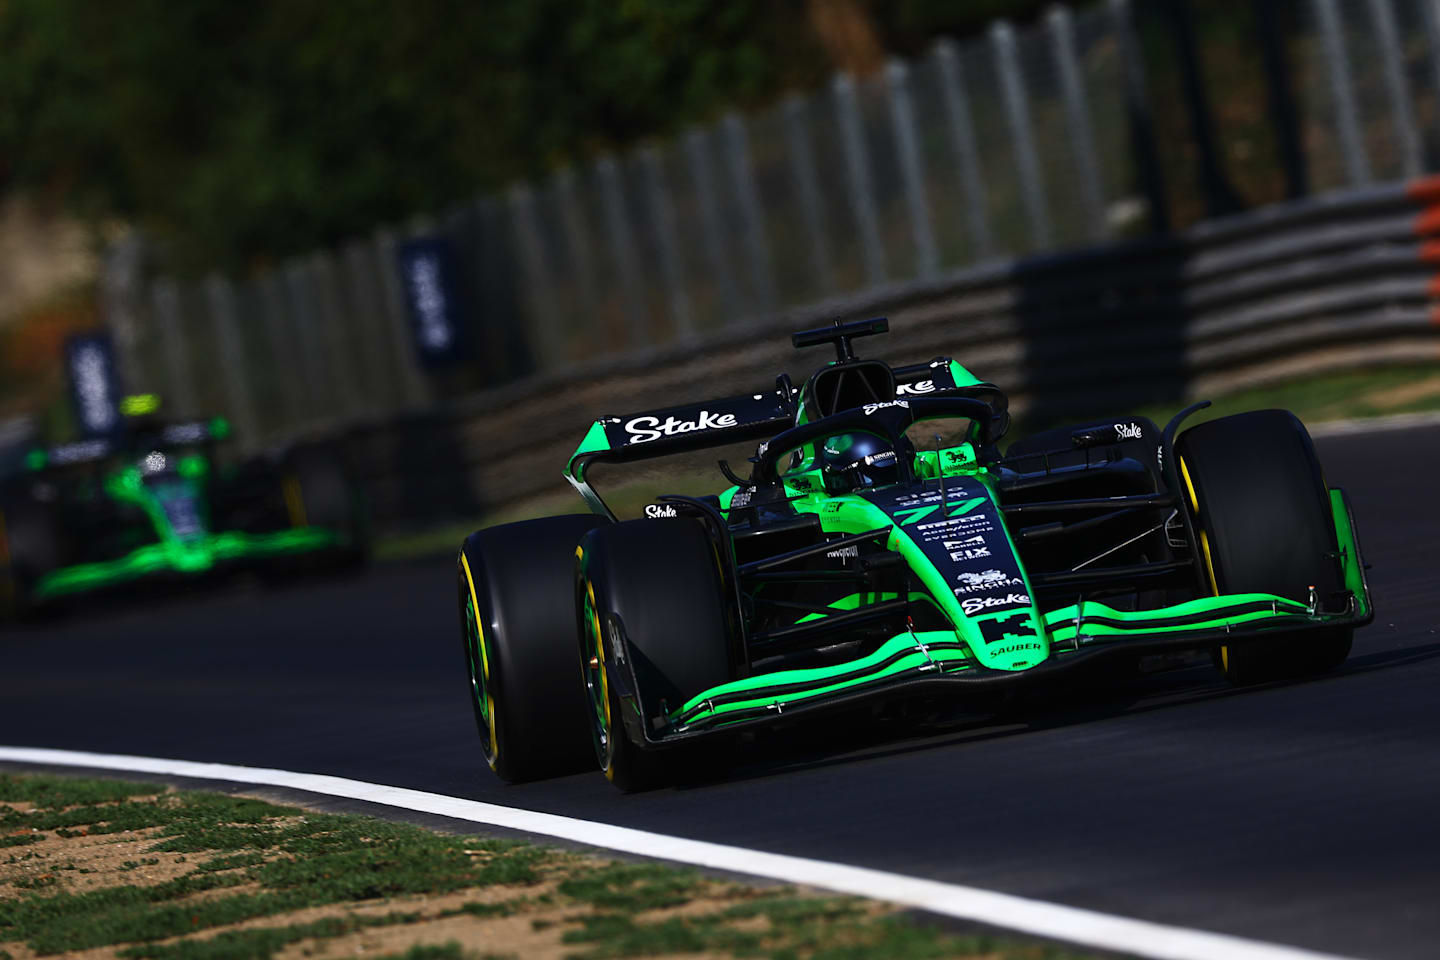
pixel 1085 927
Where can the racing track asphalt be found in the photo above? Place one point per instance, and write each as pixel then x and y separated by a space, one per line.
pixel 1298 813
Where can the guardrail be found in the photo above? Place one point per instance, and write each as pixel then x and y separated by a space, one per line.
pixel 1334 282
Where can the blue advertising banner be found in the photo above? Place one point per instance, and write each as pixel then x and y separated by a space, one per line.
pixel 432 294
pixel 95 387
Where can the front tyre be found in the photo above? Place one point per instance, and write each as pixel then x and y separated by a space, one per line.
pixel 1263 517
pixel 651 611
pixel 517 630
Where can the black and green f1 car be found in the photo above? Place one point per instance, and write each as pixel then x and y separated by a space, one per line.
pixel 860 563
pixel 156 502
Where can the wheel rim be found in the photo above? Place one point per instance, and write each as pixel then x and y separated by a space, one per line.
pixel 1205 553
pixel 477 659
pixel 597 682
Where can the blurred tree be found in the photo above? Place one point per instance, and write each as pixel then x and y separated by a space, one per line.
pixel 241 131
pixel 235 133
pixel 908 26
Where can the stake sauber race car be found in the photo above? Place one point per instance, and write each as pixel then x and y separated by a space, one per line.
pixel 155 502
pixel 858 564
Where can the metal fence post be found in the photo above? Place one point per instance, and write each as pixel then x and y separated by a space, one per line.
pixel 912 169
pixel 742 182
pixel 577 239
pixel 662 215
pixel 1017 118
pixel 1137 109
pixel 1430 10
pixel 181 387
pixel 1061 26
pixel 335 334
pixel 807 187
pixel 234 370
pixel 415 390
pixel 857 172
pixel 300 291
pixel 284 349
pixel 1347 123
pixel 962 141
pixel 1402 107
pixel 378 392
pixel 546 339
pixel 712 228
pixel 120 292
pixel 1270 30
pixel 622 248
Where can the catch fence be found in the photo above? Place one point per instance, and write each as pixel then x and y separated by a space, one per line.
pixel 1001 191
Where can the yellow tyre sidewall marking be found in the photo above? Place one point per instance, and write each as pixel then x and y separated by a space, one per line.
pixel 494 752
pixel 295 507
pixel 604 681
pixel 600 657
pixel 1205 549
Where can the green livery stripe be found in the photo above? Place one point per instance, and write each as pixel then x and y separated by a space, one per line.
pixel 1094 631
pixel 731 702
pixel 1204 610
pixel 595 439
pixel 1349 554
pixel 1195 616
pixel 897 655
pixel 908 663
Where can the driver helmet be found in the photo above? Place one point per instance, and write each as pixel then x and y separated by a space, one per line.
pixel 849 461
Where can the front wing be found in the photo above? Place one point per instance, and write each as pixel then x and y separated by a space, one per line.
pixel 196 557
pixel 936 661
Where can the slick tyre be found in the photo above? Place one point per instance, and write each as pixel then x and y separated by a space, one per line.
pixel 517 630
pixel 320 491
pixel 1263 517
pixel 650 608
pixel 30 547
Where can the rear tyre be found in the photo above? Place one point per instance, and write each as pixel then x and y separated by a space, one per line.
pixel 320 491
pixel 1262 513
pixel 658 583
pixel 517 629
pixel 30 547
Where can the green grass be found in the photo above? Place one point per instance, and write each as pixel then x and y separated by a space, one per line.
pixel 300 861
pixel 1369 393
pixel 46 791
pixel 260 944
pixel 626 499
pixel 289 860
pixel 634 886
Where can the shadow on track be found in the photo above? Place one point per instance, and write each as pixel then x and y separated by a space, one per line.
pixel 877 734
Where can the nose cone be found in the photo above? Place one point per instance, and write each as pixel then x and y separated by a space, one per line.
pixel 1009 640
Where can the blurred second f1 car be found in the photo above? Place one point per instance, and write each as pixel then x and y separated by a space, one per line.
pixel 154 501
pixel 853 566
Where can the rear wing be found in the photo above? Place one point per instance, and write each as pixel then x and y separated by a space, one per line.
pixel 650 434
pixel 100 449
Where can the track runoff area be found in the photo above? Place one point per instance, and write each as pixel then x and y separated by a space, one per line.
pixel 1049 920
